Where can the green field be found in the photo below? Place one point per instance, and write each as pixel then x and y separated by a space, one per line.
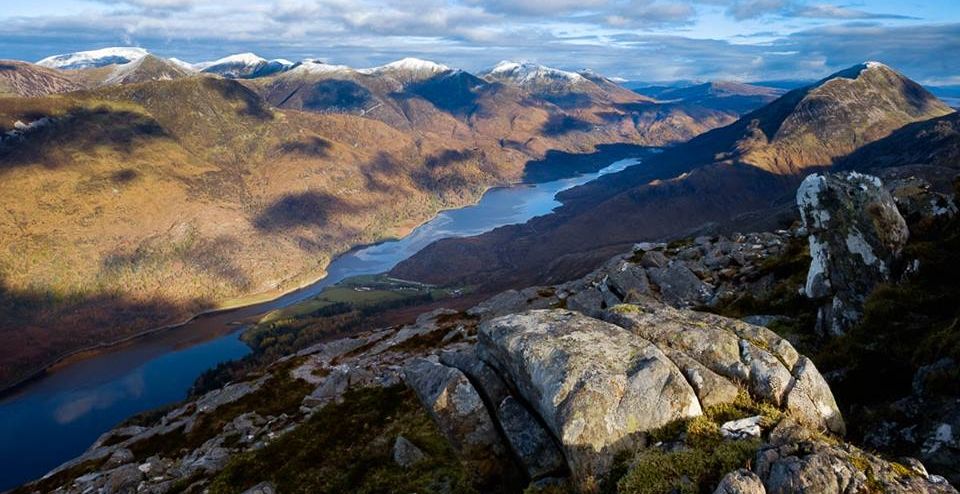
pixel 357 293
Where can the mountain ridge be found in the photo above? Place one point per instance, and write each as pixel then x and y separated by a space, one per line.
pixel 750 165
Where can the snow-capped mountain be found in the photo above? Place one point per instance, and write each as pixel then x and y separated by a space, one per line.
pixel 525 73
pixel 94 58
pixel 311 66
pixel 409 65
pixel 408 69
pixel 244 66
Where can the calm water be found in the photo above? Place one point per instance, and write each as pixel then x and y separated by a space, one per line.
pixel 57 417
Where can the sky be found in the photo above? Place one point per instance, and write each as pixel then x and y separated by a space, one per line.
pixel 641 40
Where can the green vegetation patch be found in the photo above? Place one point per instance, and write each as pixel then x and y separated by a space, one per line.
pixel 702 460
pixel 693 470
pixel 282 394
pixel 348 447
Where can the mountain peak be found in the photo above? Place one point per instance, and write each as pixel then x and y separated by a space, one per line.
pixel 312 66
pixel 245 65
pixel 524 72
pixel 410 64
pixel 117 55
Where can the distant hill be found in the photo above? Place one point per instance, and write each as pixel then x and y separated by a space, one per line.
pixel 723 96
pixel 28 80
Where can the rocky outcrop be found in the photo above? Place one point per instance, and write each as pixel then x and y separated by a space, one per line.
pixel 824 467
pixel 596 386
pixel 856 235
pixel 456 407
pixel 730 352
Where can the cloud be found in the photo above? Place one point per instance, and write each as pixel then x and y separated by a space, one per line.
pixel 653 40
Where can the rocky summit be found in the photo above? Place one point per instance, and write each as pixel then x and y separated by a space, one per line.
pixel 626 380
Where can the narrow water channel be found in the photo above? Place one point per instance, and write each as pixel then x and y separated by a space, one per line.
pixel 57 417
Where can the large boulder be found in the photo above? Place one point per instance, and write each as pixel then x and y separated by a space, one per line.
pixel 458 410
pixel 596 386
pixel 856 234
pixel 729 351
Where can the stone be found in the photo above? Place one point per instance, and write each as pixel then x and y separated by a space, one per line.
pixel 261 488
pixel 511 301
pixel 406 454
pixel 744 428
pixel 711 388
pixel 490 385
pixel 856 234
pixel 830 468
pixel 122 480
pixel 647 246
pixel 654 259
pixel 628 281
pixel 588 301
pixel 812 401
pixel 596 386
pixel 740 481
pixel 228 394
pixel 460 414
pixel 531 443
pixel 119 457
pixel 679 286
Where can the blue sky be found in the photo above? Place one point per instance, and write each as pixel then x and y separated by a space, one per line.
pixel 649 40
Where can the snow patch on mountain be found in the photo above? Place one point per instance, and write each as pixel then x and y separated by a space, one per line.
pixel 248 59
pixel 94 58
pixel 319 67
pixel 245 65
pixel 182 64
pixel 408 65
pixel 524 72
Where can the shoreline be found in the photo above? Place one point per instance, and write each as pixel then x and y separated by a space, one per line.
pixel 240 303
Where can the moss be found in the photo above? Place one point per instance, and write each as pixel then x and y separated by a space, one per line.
pixel 902 470
pixel 691 470
pixel 347 447
pixel 626 309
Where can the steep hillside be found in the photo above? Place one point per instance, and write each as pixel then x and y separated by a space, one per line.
pixel 148 202
pixel 933 142
pixel 751 165
pixel 28 80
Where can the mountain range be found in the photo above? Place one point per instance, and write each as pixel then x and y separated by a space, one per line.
pixel 145 190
